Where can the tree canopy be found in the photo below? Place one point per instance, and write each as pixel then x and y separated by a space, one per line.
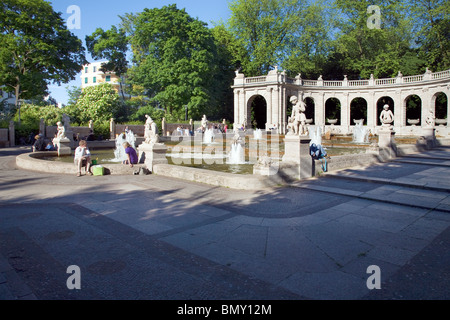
pixel 37 49
pixel 342 37
pixel 174 59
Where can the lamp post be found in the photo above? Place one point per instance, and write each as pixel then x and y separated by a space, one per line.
pixel 186 113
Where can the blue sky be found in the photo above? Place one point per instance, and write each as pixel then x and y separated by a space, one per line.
pixel 105 13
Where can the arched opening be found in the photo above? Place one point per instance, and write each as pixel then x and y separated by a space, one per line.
pixel 258 112
pixel 380 104
pixel 413 105
pixel 441 106
pixel 310 107
pixel 358 110
pixel 333 110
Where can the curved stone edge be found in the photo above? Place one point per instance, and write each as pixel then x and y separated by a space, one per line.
pixel 216 178
pixel 34 162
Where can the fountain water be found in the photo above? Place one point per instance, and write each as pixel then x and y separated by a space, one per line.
pixel 119 152
pixel 315 134
pixel 208 136
pixel 237 154
pixel 360 133
pixel 257 134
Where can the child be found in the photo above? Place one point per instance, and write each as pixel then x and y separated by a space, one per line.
pixel 83 158
pixel 132 157
pixel 317 152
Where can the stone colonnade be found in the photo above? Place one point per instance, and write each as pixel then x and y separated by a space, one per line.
pixel 276 89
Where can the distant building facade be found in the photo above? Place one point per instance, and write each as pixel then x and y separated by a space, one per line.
pixel 91 75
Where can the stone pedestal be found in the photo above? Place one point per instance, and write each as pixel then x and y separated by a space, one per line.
pixel 64 147
pixel 429 133
pixel 152 154
pixel 386 142
pixel 266 166
pixel 297 161
pixel 12 135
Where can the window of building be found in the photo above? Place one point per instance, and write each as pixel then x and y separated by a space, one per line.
pixel 95 69
pixel 86 80
pixel 95 80
pixel 86 69
pixel 108 78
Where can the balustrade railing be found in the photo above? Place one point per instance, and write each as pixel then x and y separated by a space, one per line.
pixel 357 83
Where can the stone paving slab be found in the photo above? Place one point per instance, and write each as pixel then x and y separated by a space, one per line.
pixel 152 237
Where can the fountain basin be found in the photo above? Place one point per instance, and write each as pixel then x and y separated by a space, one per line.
pixel 36 161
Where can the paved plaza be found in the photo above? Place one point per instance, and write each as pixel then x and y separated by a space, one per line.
pixel 152 237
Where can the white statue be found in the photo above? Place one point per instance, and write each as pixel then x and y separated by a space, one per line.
pixel 298 118
pixel 61 133
pixel 204 122
pixel 386 116
pixel 430 119
pixel 151 131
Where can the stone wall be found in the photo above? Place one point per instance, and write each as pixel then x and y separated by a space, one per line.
pixel 4 138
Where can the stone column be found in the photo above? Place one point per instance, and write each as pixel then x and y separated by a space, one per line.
pixel 345 113
pixel 12 134
pixel 42 127
pixel 269 108
pixel 236 108
pixel 398 106
pixel 112 129
pixel 371 114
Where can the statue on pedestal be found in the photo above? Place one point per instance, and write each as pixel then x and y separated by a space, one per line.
pixel 204 123
pixel 61 131
pixel 298 119
pixel 151 131
pixel 386 117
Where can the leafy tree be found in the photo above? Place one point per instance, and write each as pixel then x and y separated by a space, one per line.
pixel 98 103
pixel 174 60
pixel 32 114
pixel 229 57
pixel 313 41
pixel 432 21
pixel 361 50
pixel 113 46
pixel 37 49
pixel 74 94
pixel 268 28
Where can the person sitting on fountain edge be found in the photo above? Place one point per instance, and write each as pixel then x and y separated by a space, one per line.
pixel 83 158
pixel 132 157
pixel 317 152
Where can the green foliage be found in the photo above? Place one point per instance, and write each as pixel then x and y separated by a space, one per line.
pixel 269 29
pixel 154 113
pixel 174 58
pixel 102 129
pixel 31 115
pixel 432 22
pixel 111 45
pixel 98 103
pixel 74 94
pixel 37 49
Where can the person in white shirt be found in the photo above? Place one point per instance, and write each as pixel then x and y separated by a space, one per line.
pixel 83 158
